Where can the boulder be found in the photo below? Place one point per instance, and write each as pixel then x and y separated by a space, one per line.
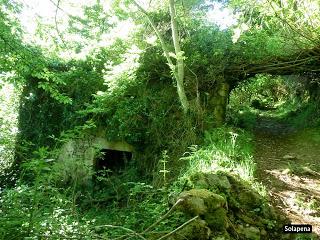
pixel 251 233
pixel 200 201
pixel 217 220
pixel 249 199
pixel 217 182
pixel 196 230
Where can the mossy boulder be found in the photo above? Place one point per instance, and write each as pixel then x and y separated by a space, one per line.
pixel 200 201
pixel 229 206
pixel 217 220
pixel 216 182
pixel 221 236
pixel 251 233
pixel 199 180
pixel 219 181
pixel 197 230
pixel 250 199
pixel 242 195
pixel 248 232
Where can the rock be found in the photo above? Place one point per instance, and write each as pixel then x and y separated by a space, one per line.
pixel 224 236
pixel 199 180
pixel 213 181
pixel 251 233
pixel 200 201
pixel 267 211
pixel 197 230
pixel 219 181
pixel 217 220
pixel 249 199
pixel 247 219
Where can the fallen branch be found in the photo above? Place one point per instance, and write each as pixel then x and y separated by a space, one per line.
pixel 180 227
pixel 146 231
pixel 164 216
pixel 123 228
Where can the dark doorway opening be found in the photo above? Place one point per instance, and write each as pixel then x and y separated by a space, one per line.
pixel 111 160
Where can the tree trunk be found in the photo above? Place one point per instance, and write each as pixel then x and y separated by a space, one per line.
pixel 179 69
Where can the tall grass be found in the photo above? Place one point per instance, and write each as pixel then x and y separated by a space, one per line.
pixel 226 149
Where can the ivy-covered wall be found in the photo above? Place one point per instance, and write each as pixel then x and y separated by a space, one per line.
pixel 44 115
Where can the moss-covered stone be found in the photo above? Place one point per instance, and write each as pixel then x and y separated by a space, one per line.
pixel 217 220
pixel 217 182
pixel 197 230
pixel 223 236
pixel 249 199
pixel 200 201
pixel 199 180
pixel 244 215
pixel 250 219
pixel 251 233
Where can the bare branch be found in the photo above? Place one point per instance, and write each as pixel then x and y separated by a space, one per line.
pixel 164 216
pixel 180 227
pixel 126 229
pixel 56 23
pixel 154 27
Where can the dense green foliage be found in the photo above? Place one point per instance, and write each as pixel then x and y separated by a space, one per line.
pixel 84 74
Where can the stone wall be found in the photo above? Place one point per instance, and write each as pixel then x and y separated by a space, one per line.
pixel 86 148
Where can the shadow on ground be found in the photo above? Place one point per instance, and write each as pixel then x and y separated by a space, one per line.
pixel 288 165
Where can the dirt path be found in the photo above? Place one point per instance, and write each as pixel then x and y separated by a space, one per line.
pixel 288 164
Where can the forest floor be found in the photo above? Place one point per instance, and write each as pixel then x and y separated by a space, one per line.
pixel 288 165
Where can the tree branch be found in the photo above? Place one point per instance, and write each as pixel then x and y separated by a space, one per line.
pixel 56 23
pixel 162 42
pixel 179 73
pixel 179 55
pixel 180 227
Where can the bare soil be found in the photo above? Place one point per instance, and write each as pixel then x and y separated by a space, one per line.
pixel 288 164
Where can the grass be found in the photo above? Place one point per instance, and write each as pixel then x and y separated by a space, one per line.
pixel 226 149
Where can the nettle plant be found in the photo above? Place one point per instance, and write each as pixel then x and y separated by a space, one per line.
pixel 164 171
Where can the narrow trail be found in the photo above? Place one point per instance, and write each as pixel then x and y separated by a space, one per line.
pixel 288 164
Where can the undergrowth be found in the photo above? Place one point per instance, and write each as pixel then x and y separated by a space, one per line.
pixel 283 99
pixel 56 204
pixel 225 149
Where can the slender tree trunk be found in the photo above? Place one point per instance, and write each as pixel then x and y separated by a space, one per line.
pixel 179 71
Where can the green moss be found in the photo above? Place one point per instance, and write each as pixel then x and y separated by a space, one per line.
pixel 216 182
pixel 199 180
pixel 249 199
pixel 219 181
pixel 197 230
pixel 217 220
pixel 251 233
pixel 200 201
